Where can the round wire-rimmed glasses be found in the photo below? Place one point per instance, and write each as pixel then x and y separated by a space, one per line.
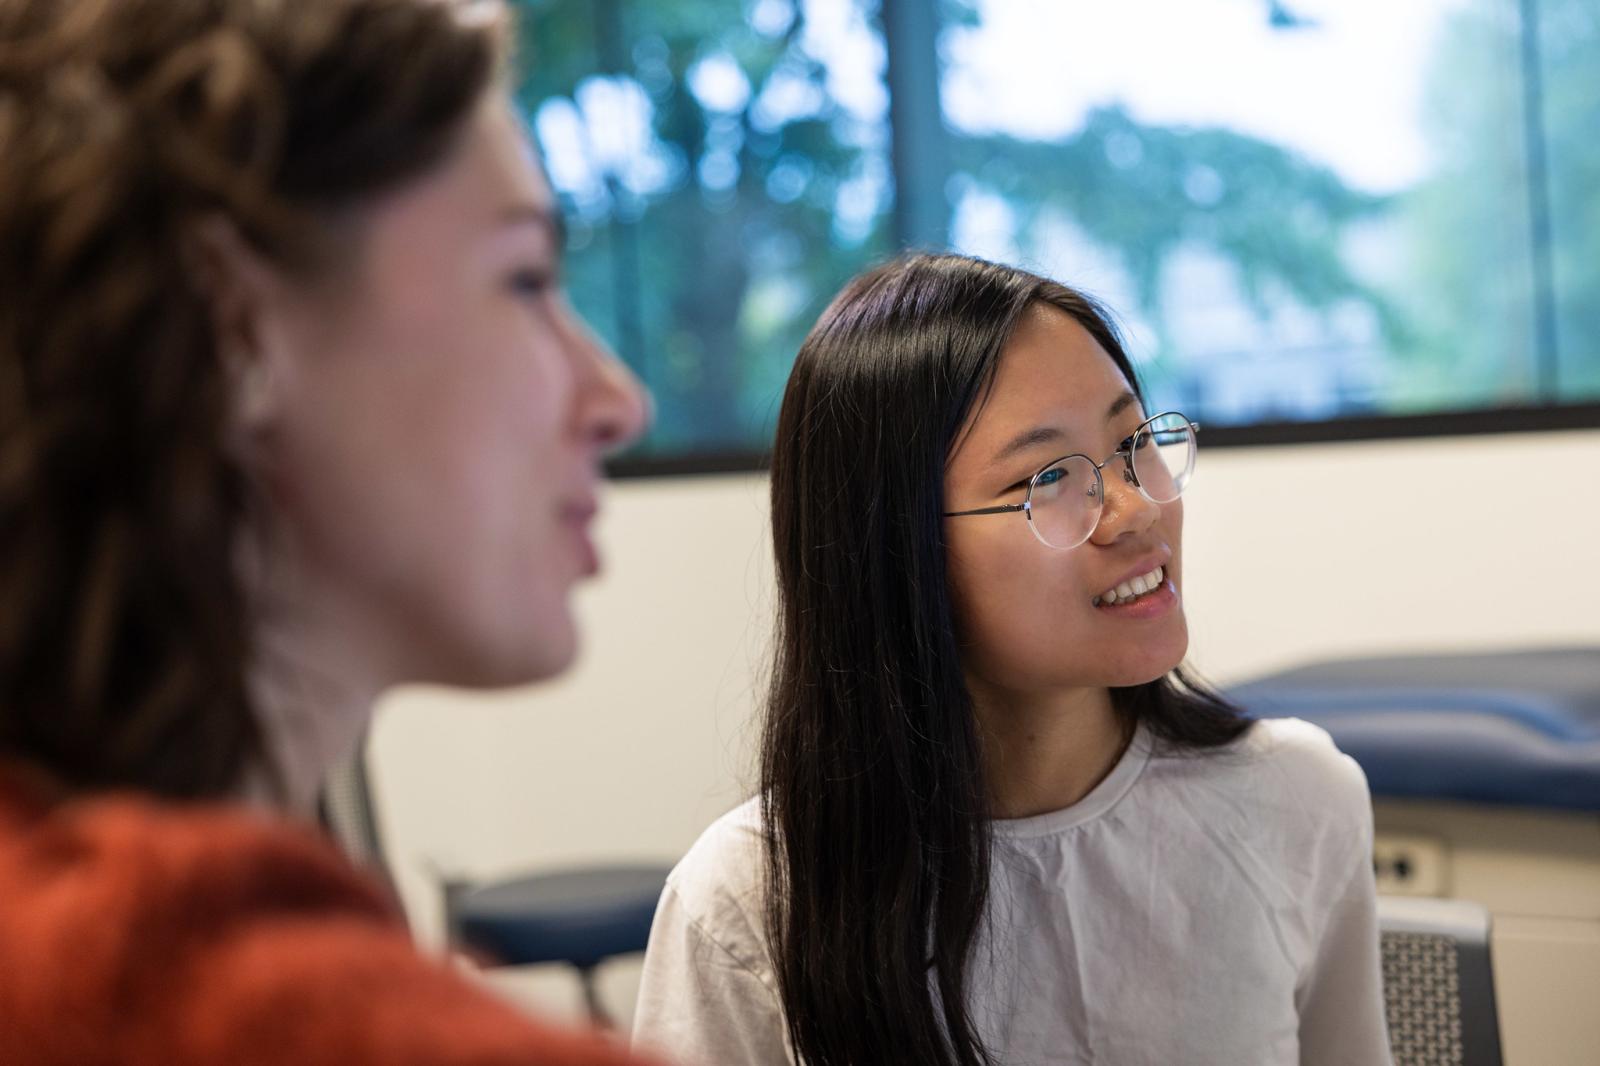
pixel 1065 499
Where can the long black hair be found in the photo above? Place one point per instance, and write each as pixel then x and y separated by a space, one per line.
pixel 874 805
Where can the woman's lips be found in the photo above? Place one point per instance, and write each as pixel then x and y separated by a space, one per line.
pixel 578 517
pixel 588 554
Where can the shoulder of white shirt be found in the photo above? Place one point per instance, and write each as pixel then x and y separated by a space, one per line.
pixel 720 877
pixel 725 869
pixel 1306 754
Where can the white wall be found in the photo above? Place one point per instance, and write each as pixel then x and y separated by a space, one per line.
pixel 1291 553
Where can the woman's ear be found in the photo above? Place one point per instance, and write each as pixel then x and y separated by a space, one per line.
pixel 246 293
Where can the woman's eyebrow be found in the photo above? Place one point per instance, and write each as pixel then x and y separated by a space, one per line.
pixel 1048 434
pixel 1121 404
pixel 1025 440
pixel 532 214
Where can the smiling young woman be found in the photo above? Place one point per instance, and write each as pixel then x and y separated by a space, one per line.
pixel 292 409
pixel 997 823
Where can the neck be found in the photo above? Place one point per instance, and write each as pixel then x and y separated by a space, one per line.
pixel 313 685
pixel 312 718
pixel 1044 751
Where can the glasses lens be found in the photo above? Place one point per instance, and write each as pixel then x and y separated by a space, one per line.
pixel 1065 502
pixel 1163 457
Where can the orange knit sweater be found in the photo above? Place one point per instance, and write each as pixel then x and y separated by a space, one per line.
pixel 139 934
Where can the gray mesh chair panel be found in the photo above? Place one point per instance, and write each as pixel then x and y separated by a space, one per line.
pixel 1438 988
pixel 346 809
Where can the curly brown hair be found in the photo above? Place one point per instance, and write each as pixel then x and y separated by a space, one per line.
pixel 125 633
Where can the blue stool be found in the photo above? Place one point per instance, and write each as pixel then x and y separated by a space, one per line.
pixel 579 917
pixel 1519 728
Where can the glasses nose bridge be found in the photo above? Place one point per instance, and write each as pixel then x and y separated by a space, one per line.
pixel 1126 455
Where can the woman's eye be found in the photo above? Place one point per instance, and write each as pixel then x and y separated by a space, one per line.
pixel 532 282
pixel 1051 476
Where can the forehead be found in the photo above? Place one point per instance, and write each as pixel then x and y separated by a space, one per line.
pixel 491 169
pixel 498 155
pixel 1051 372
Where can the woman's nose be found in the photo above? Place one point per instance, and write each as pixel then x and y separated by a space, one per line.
pixel 615 409
pixel 1125 509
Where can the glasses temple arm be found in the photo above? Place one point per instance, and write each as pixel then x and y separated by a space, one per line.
pixel 1005 508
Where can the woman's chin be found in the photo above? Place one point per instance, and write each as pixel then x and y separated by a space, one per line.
pixel 555 652
pixel 1150 664
pixel 535 653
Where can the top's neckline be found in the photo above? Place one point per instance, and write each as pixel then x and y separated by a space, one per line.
pixel 1100 799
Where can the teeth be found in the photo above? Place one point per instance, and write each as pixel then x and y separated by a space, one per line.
pixel 1133 588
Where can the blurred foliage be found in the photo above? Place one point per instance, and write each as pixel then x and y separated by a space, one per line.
pixel 726 280
pixel 1143 190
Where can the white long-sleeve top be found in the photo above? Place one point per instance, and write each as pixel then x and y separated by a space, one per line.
pixel 1193 909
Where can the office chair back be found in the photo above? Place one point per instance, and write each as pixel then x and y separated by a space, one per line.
pixel 1438 987
pixel 345 807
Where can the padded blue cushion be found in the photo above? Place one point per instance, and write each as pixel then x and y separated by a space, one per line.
pixel 1514 728
pixel 581 917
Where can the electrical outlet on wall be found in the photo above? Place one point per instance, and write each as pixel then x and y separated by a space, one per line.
pixel 1408 865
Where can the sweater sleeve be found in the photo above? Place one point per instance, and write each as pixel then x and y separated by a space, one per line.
pixel 332 991
pixel 137 935
pixel 1340 997
pixel 704 999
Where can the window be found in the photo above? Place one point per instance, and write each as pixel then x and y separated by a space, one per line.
pixel 1304 211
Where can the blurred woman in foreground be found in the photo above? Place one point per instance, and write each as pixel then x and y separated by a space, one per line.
pixel 292 409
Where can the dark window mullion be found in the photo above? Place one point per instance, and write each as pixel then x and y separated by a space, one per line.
pixel 611 50
pixel 1546 353
pixel 919 158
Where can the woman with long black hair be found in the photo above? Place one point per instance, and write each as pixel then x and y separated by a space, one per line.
pixel 997 823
